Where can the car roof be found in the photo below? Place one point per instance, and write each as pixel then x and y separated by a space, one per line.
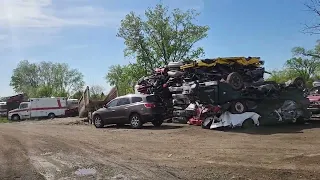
pixel 134 95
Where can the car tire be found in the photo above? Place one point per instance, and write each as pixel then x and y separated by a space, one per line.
pixel 299 83
pixel 238 107
pixel 157 123
pixel 235 80
pixel 248 124
pixel 98 122
pixel 15 118
pixel 135 121
pixel 51 115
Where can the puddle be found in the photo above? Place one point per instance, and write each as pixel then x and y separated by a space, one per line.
pixel 85 172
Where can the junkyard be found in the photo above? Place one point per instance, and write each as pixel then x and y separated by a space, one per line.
pixel 70 149
pixel 164 96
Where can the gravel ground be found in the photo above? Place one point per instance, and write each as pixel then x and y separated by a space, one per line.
pixel 70 149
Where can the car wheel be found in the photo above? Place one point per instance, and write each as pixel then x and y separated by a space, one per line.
pixel 98 122
pixel 15 117
pixel 135 121
pixel 238 107
pixel 235 80
pixel 248 123
pixel 157 123
pixel 51 115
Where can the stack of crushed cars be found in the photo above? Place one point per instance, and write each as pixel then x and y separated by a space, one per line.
pixel 225 92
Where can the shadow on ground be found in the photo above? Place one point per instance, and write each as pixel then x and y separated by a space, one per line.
pixel 279 128
pixel 147 127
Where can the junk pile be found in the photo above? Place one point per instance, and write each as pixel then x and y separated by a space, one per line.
pixel 226 92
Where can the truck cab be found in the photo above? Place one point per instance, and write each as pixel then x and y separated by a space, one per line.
pixel 23 112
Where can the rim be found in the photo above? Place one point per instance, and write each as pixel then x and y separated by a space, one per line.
pixel 239 107
pixel 97 121
pixel 135 121
pixel 236 81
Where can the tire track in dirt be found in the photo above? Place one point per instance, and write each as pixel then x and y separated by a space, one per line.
pixel 15 162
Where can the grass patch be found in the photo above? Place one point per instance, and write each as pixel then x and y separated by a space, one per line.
pixel 3 120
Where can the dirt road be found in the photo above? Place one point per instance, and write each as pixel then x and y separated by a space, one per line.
pixel 64 149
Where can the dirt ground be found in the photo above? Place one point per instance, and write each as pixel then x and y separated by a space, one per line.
pixel 70 149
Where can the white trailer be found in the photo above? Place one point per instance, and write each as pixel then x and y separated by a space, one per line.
pixel 39 108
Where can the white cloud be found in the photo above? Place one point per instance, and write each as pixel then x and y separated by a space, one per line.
pixel 25 23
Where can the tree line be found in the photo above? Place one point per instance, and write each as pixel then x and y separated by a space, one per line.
pixel 159 37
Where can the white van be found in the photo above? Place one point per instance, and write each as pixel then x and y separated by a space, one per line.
pixel 39 107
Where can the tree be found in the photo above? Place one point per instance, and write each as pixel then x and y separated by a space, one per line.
pixel 304 63
pixel 77 95
pixel 154 41
pixel 162 36
pixel 123 77
pixel 46 79
pixel 96 91
pixel 314 7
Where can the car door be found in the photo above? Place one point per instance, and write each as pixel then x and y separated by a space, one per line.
pixel 108 113
pixel 24 111
pixel 121 110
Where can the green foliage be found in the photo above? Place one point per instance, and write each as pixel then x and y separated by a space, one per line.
pixel 155 40
pixel 4 120
pixel 304 63
pixel 77 95
pixel 46 79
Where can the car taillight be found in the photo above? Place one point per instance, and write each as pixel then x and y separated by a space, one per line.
pixel 149 105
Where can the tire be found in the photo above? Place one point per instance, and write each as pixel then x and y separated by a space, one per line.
pixel 98 122
pixel 157 123
pixel 15 118
pixel 247 124
pixel 51 115
pixel 299 82
pixel 238 107
pixel 235 80
pixel 135 121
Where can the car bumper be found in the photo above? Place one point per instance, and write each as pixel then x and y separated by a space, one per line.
pixel 153 117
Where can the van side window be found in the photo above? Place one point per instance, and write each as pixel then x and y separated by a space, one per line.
pixel 136 99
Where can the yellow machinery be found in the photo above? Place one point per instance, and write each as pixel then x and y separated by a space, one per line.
pixel 253 61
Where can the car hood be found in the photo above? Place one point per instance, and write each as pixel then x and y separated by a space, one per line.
pixel 13 110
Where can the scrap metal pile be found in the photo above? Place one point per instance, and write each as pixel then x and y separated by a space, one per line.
pixel 225 92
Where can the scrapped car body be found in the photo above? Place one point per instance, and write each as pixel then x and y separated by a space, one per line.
pixel 232 120
pixel 275 104
pixel 133 109
pixel 3 109
pixel 314 98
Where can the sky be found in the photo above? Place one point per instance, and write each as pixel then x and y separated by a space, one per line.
pixel 82 33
